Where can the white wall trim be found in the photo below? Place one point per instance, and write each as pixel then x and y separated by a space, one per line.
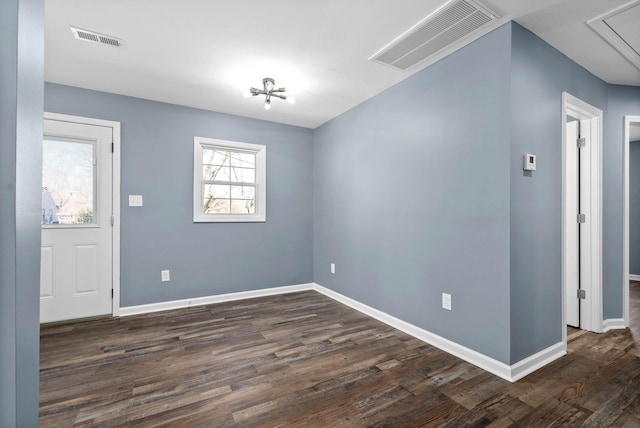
pixel 115 195
pixel 613 324
pixel 207 300
pixel 536 361
pixel 633 277
pixel 511 373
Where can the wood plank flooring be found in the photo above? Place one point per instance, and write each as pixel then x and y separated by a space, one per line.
pixel 302 360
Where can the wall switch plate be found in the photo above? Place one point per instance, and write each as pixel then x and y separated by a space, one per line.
pixel 165 276
pixel 446 301
pixel 135 200
pixel 333 268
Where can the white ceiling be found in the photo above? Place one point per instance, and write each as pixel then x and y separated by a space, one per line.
pixel 204 53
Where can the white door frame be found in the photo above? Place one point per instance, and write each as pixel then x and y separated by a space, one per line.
pixel 625 228
pixel 115 230
pixel 591 317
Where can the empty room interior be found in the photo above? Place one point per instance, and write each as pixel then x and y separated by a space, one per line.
pixel 305 213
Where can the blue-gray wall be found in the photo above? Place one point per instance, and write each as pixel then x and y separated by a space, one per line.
pixel 420 191
pixel 411 196
pixel 622 100
pixel 157 162
pixel 634 208
pixel 21 89
pixel 539 76
pixel 417 191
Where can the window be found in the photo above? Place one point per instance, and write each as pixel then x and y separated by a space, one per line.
pixel 229 181
pixel 68 181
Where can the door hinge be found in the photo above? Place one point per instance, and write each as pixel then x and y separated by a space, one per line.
pixel 582 294
pixel 112 220
pixel 112 147
pixel 112 293
pixel 582 218
pixel 582 143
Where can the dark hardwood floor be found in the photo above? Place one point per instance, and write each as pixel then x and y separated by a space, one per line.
pixel 304 360
pixel 634 309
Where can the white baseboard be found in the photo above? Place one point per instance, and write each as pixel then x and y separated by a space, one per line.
pixel 207 300
pixel 633 277
pixel 536 361
pixel 511 373
pixel 613 324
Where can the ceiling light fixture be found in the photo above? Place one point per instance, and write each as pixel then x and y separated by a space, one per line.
pixel 269 90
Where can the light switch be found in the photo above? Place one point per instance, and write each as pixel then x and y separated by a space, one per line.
pixel 446 301
pixel 135 200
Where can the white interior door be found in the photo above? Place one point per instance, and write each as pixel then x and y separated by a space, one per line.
pixel 76 276
pixel 578 232
pixel 572 307
pixel 585 239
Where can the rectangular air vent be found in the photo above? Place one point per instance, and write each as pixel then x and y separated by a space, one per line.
pixel 93 37
pixel 447 25
pixel 619 28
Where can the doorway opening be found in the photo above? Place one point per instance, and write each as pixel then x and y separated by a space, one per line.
pixel 582 215
pixel 631 136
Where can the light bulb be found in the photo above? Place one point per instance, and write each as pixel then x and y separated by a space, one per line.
pixel 291 100
pixel 268 85
pixel 267 105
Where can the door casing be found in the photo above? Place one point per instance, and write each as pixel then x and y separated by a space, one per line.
pixel 591 309
pixel 115 230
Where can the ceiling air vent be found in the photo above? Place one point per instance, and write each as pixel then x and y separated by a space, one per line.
pixel 445 26
pixel 619 27
pixel 93 37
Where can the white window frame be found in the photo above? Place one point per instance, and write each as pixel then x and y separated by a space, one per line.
pixel 200 143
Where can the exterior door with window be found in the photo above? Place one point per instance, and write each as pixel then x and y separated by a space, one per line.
pixel 76 266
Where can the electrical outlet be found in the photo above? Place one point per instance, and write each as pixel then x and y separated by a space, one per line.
pixel 135 200
pixel 165 276
pixel 446 301
pixel 333 268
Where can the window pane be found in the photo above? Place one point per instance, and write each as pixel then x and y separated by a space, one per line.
pixel 243 206
pixel 243 192
pixel 67 182
pixel 220 173
pixel 243 175
pixel 216 206
pixel 244 160
pixel 209 173
pixel 216 173
pixel 207 156
pixel 216 191
pixel 215 157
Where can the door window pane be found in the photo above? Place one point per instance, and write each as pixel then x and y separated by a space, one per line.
pixel 68 182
